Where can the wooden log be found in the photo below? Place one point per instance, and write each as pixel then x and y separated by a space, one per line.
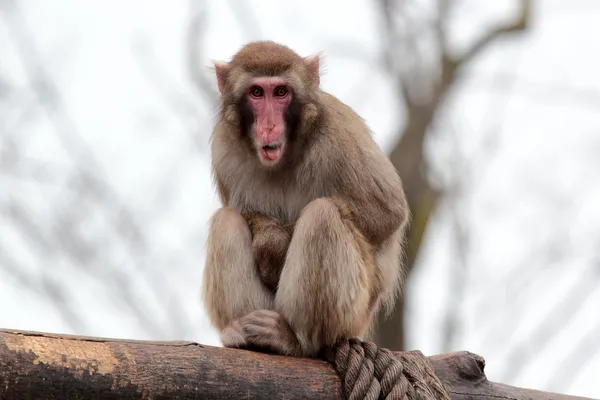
pixel 41 366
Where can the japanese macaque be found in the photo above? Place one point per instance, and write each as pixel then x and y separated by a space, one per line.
pixel 307 245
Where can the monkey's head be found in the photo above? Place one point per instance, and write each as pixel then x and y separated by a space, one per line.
pixel 268 97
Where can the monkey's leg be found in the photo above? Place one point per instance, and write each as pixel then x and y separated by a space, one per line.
pixel 325 291
pixel 326 286
pixel 231 285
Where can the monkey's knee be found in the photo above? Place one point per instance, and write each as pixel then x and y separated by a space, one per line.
pixel 228 218
pixel 325 286
pixel 229 228
pixel 230 267
pixel 321 212
pixel 324 224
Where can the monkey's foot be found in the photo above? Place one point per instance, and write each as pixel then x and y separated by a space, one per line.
pixel 262 329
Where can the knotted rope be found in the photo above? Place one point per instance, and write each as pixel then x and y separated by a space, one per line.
pixel 371 373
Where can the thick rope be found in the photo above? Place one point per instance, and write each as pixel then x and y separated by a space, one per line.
pixel 371 373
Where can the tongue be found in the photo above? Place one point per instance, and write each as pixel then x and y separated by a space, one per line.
pixel 271 153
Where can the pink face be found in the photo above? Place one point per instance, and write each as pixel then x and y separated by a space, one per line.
pixel 269 98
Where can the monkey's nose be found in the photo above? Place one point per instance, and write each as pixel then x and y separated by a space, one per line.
pixel 266 129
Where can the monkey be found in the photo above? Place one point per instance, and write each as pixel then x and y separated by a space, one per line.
pixel 284 152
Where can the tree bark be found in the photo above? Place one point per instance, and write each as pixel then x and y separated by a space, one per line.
pixel 46 366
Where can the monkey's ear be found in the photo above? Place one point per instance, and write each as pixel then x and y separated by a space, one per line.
pixel 312 65
pixel 222 70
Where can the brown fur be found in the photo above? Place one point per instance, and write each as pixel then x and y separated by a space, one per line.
pixel 338 188
pixel 270 242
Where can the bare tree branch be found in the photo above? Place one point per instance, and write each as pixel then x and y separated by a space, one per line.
pixel 518 25
pixel 407 155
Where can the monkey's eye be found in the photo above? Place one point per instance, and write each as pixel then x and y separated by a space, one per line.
pixel 256 91
pixel 280 91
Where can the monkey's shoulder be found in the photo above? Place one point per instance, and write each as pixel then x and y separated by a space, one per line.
pixel 339 115
pixel 336 152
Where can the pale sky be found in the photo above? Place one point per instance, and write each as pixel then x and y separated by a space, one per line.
pixel 127 112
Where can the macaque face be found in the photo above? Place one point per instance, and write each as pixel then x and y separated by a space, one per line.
pixel 269 98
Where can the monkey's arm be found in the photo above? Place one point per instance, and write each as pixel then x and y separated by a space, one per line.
pixel 360 173
pixel 376 200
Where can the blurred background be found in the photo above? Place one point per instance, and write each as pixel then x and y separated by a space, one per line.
pixel 489 110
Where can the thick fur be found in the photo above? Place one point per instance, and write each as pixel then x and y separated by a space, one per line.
pixel 338 188
pixel 270 242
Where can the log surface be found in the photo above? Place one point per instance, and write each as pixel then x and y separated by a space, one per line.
pixel 46 366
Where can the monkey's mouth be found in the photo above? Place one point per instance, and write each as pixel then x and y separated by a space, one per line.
pixel 271 152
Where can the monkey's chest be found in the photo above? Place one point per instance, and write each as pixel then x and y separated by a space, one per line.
pixel 282 201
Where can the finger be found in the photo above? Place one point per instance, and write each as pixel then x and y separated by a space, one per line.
pixel 231 337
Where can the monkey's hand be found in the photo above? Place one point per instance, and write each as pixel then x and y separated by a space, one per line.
pixel 262 330
pixel 270 242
